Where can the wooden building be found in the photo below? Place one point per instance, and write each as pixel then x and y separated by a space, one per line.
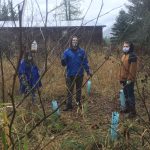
pixel 57 36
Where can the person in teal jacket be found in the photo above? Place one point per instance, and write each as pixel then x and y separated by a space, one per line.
pixel 75 60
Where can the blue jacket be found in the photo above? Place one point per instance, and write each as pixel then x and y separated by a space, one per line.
pixel 75 61
pixel 30 73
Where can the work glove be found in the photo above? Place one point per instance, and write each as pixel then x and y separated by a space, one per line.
pixel 89 73
pixel 63 61
pixel 121 82
pixel 128 82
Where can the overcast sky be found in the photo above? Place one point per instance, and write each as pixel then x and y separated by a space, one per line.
pixel 107 19
pixel 108 5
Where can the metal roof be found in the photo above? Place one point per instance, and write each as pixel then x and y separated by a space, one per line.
pixel 49 24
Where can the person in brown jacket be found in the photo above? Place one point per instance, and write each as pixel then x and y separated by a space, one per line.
pixel 127 76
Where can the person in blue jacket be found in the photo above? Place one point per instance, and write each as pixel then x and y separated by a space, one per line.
pixel 75 60
pixel 28 75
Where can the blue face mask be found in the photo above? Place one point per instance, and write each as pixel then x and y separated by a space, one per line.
pixel 125 49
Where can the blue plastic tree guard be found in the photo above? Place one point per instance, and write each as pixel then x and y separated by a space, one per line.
pixel 55 106
pixel 89 87
pixel 114 125
pixel 122 100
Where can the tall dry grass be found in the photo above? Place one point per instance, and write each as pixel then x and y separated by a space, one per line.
pixel 53 83
pixel 105 87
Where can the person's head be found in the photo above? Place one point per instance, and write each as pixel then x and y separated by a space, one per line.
pixel 28 57
pixel 74 42
pixel 128 46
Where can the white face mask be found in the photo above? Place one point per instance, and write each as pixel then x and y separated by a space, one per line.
pixel 29 57
pixel 125 49
pixel 75 42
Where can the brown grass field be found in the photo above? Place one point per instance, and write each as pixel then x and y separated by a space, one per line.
pixel 81 129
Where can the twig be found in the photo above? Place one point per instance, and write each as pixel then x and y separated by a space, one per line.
pixel 2 77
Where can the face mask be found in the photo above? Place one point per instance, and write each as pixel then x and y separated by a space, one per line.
pixel 125 49
pixel 74 44
pixel 29 57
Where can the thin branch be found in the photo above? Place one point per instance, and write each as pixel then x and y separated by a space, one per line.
pixel 39 93
pixel 2 76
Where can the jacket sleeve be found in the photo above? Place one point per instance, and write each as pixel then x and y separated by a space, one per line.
pixel 24 85
pixel 120 68
pixel 132 67
pixel 85 63
pixel 64 59
pixel 36 76
pixel 21 69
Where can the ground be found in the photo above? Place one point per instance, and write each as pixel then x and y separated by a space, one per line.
pixel 87 128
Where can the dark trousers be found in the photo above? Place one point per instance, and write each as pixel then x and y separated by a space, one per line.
pixel 129 95
pixel 71 81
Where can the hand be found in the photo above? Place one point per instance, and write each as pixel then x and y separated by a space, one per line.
pixel 90 74
pixel 129 81
pixel 62 56
pixel 88 77
pixel 121 82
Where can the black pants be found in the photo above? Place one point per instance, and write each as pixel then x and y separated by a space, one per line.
pixel 129 95
pixel 71 81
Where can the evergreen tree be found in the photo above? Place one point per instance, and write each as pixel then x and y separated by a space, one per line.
pixel 121 27
pixel 7 13
pixel 135 24
pixel 12 13
pixel 140 11
pixel 4 13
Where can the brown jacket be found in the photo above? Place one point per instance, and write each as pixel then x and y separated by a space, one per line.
pixel 128 67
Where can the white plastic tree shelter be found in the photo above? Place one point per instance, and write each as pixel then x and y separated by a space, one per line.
pixel 34 47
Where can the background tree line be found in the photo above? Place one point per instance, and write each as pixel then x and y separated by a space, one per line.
pixel 133 25
pixel 69 10
pixel 7 12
